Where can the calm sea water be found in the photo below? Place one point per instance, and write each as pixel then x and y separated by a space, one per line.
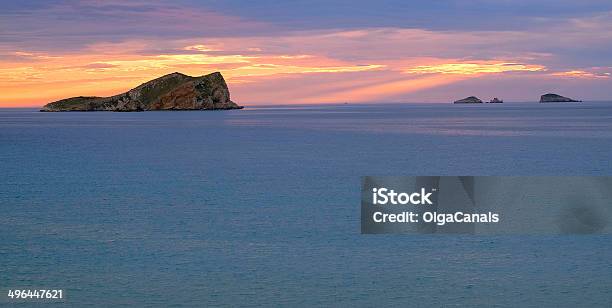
pixel 261 206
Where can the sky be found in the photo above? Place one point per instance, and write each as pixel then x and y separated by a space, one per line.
pixel 302 52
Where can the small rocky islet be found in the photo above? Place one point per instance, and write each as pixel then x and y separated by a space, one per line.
pixel 469 100
pixel 174 91
pixel 476 100
pixel 556 98
pixel 546 98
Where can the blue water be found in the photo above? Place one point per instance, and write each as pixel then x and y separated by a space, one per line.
pixel 261 206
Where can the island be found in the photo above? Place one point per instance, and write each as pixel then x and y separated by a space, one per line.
pixel 556 98
pixel 495 100
pixel 469 100
pixel 174 91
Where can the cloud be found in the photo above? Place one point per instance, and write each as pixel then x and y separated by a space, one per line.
pixel 24 56
pixel 201 48
pixel 581 74
pixel 69 25
pixel 439 15
pixel 474 68
pixel 275 69
pixel 99 65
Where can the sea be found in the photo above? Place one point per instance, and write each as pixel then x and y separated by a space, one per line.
pixel 261 206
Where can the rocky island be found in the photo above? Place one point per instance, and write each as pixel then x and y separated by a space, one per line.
pixel 174 91
pixel 555 98
pixel 469 100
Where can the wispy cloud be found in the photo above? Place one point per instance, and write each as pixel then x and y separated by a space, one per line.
pixel 471 68
pixel 201 48
pixel 581 74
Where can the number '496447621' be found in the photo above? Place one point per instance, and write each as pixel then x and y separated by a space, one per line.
pixel 35 294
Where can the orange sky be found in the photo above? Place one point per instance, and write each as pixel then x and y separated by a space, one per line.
pixel 303 66
pixel 38 78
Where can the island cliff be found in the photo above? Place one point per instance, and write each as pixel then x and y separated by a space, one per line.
pixel 174 91
pixel 469 100
pixel 555 98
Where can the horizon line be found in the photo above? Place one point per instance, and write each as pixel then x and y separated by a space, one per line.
pixel 259 104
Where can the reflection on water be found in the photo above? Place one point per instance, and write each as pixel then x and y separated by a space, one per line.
pixel 588 120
